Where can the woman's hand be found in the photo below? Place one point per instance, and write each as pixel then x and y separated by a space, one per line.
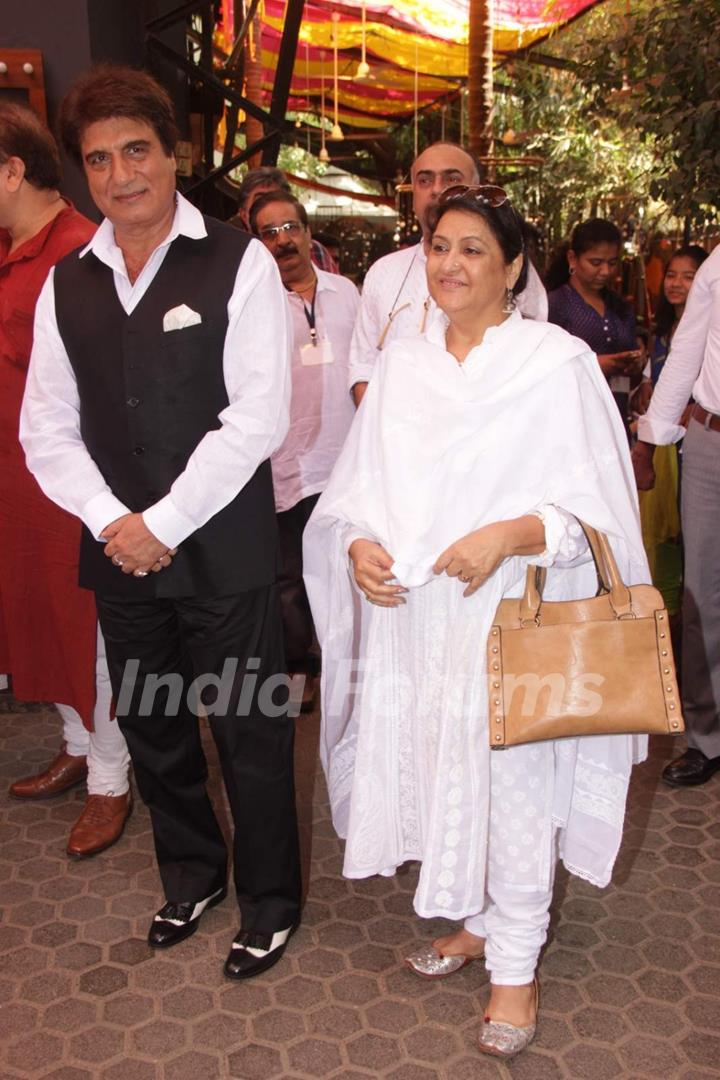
pixel 621 363
pixel 476 556
pixel 372 570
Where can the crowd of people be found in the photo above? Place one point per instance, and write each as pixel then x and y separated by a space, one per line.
pixel 224 472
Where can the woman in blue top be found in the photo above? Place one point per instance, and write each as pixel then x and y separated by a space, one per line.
pixel 580 301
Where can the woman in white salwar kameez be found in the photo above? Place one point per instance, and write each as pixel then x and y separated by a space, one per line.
pixel 475 450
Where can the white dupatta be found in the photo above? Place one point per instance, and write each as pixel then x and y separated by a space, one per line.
pixel 437 450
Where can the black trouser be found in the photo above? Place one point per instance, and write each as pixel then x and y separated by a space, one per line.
pixel 195 637
pixel 298 627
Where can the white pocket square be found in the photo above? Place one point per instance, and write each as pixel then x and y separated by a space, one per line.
pixel 180 317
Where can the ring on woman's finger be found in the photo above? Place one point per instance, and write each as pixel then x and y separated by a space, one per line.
pixel 140 573
pixel 116 561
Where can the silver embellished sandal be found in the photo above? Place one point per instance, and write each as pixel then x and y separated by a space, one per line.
pixel 505 1040
pixel 429 964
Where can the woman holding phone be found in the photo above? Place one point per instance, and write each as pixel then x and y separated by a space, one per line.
pixel 581 301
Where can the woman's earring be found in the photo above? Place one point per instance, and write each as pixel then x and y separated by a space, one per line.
pixel 509 302
pixel 571 271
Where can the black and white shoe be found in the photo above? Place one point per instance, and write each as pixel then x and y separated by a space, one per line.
pixel 176 921
pixel 253 952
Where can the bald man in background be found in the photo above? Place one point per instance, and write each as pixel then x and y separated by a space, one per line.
pixel 395 297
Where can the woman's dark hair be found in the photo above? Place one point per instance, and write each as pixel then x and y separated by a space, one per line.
pixel 504 222
pixel 23 135
pixel 274 197
pixel 586 235
pixel 111 90
pixel 665 316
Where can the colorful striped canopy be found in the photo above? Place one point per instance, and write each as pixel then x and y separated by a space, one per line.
pixel 427 36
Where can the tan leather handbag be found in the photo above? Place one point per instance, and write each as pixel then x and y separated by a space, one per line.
pixel 600 666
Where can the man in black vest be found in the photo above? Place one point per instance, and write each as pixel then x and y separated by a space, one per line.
pixel 158 389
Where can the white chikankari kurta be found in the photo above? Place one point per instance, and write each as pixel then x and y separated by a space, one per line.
pixel 437 450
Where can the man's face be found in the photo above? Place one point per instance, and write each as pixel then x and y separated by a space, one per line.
pixel 435 169
pixel 130 177
pixel 287 240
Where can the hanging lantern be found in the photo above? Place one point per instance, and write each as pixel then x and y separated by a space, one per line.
pixel 323 155
pixel 298 122
pixel 336 132
pixel 363 68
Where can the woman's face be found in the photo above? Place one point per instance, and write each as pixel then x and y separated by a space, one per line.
pixel 678 279
pixel 596 267
pixel 466 268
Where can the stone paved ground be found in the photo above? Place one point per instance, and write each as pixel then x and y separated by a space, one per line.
pixel 630 983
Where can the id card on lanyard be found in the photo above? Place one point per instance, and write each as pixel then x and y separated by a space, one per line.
pixel 318 352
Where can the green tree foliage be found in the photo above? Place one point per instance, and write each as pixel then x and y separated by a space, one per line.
pixel 589 165
pixel 656 73
pixel 625 117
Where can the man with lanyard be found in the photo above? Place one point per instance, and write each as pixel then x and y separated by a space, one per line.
pixel 323 308
pixel 158 389
pixel 693 368
pixel 395 297
pixel 259 181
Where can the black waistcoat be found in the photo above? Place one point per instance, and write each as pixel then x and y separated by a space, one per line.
pixel 147 398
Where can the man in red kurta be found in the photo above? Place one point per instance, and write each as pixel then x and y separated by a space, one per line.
pixel 48 625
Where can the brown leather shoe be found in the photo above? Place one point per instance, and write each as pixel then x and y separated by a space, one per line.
pixel 63 773
pixel 100 824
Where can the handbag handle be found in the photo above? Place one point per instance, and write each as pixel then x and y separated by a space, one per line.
pixel 608 575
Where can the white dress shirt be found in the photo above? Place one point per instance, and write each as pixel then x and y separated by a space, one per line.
pixel 693 364
pixel 398 283
pixel 321 410
pixel 257 378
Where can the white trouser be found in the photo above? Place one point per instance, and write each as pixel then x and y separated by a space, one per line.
pixel 514 924
pixel 105 747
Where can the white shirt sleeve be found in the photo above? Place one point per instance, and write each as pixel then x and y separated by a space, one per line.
pixel 680 371
pixel 256 366
pixel 366 334
pixel 50 427
pixel 565 542
pixel 532 301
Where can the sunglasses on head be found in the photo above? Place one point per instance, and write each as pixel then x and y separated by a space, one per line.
pixel 489 194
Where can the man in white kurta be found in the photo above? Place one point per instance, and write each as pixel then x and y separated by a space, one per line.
pixel 395 300
pixel 693 368
pixel 438 450
pixel 323 308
